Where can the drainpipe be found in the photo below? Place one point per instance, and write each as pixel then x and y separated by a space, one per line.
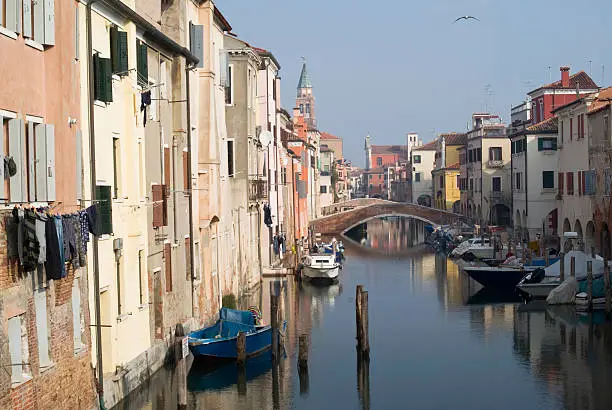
pixel 190 193
pixel 174 216
pixel 92 161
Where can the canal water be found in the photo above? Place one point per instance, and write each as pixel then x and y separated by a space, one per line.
pixel 437 340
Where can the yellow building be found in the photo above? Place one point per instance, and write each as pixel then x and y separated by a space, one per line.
pixel 446 172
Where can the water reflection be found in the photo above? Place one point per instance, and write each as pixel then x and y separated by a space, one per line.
pixel 389 234
pixel 438 341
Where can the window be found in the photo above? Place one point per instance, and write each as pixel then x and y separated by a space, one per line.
pixel 441 181
pixel 561 130
pixel 323 189
pixel 517 184
pixel 230 158
pixel 33 19
pixel 42 327
pixel 142 63
pixel 471 184
pixel 541 109
pixel 581 126
pixel 196 41
pixel 78 325
pixel 370 176
pixel 18 348
pixel 570 183
pixel 547 144
pixel 119 51
pixel 379 161
pixel 103 81
pixel 307 108
pixel 416 159
pixel 301 108
pixel 417 177
pixel 116 166
pixel 479 154
pixel 571 130
pixel 495 154
pixel 141 285
pixel 458 182
pixel 548 179
pixel 560 183
pixel 496 184
pixel 168 265
pixel 229 86
pixel 589 182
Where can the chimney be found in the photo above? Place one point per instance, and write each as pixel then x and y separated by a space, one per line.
pixel 565 77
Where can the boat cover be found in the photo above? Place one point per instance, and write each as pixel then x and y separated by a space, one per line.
pixel 563 294
pixel 581 261
pixel 237 316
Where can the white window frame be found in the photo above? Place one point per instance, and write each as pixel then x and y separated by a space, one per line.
pixel 230 69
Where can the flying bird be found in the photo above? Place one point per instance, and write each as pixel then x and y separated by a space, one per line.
pixel 465 18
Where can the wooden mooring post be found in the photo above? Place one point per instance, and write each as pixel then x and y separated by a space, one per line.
pixel 303 346
pixel 590 284
pixel 241 349
pixel 274 321
pixel 181 365
pixel 562 266
pixel 361 316
pixel 607 286
pixel 573 267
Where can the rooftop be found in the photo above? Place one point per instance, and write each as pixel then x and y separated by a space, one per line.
pixel 389 150
pixel 580 79
pixel 430 146
pixel 454 138
pixel 304 78
pixel 328 136
pixel 602 101
pixel 549 125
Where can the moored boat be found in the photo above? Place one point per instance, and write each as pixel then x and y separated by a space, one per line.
pixel 219 341
pixel 501 277
pixel 321 267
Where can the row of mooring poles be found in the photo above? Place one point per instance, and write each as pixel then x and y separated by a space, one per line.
pixel 363 346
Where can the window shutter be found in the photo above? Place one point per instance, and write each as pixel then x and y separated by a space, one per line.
pixel 103 87
pixel 50 137
pixel 167 166
pixel 165 194
pixel 583 178
pixel 223 68
pixel 31 163
pixel 41 162
pixel 79 164
pixel 16 151
pixel 39 21
pixel 560 184
pixel 158 206
pixel 168 266
pixel 27 18
pixel 49 22
pixel 554 144
pixel 11 15
pixel 119 51
pixel 142 63
pixel 540 144
pixel 105 209
pixel 196 42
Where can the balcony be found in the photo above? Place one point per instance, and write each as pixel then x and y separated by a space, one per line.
pixel 258 189
pixel 499 197
pixel 495 163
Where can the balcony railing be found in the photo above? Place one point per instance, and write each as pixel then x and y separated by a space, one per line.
pixel 258 189
pixel 499 197
pixel 495 163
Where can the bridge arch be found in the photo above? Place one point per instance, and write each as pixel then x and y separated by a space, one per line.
pixel 396 215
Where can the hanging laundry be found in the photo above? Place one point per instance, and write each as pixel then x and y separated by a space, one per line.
pixel 55 260
pixel 31 247
pixel 145 100
pixel 10 167
pixel 12 227
pixel 84 229
pixel 92 219
pixel 281 243
pixel 68 230
pixel 80 260
pixel 275 241
pixel 41 221
pixel 60 239
pixel 18 213
pixel 267 215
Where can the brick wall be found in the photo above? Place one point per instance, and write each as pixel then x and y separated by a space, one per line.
pixel 69 382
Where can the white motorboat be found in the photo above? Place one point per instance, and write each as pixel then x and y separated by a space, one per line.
pixel 539 284
pixel 478 248
pixel 321 267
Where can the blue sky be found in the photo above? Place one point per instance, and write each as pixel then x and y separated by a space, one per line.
pixel 389 67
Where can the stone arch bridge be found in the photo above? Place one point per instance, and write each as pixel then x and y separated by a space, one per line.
pixel 340 217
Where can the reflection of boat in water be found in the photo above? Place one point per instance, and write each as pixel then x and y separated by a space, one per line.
pixel 492 296
pixel 222 377
pixel 314 290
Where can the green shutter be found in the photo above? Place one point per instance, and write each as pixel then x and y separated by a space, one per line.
pixel 548 179
pixel 119 51
pixel 105 209
pixel 554 144
pixel 142 63
pixel 103 86
pixel 540 144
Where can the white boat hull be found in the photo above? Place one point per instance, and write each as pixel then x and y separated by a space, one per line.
pixel 321 273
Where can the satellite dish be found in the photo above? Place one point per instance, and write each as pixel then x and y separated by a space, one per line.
pixel 265 138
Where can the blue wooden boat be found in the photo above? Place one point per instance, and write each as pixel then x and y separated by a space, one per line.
pixel 219 340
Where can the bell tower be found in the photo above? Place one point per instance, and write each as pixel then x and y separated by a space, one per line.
pixel 305 100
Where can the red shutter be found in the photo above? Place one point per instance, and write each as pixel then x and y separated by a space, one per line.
pixel 185 172
pixel 168 266
pixel 165 194
pixel 167 166
pixel 561 184
pixel 158 210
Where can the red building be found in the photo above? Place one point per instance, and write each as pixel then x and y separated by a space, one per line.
pixel 386 155
pixel 548 97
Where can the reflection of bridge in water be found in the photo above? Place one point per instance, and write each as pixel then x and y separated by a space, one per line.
pixel 341 217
